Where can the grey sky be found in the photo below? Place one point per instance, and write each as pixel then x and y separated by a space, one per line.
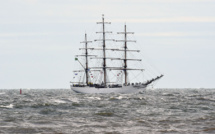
pixel 39 38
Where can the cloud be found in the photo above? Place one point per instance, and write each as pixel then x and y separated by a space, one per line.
pixel 21 34
pixel 170 20
pixel 31 1
pixel 141 20
pixel 169 1
pixel 175 34
pixel 24 34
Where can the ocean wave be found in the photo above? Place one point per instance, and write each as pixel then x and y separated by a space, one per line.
pixel 62 111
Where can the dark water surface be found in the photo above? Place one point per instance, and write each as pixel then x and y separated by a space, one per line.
pixel 62 111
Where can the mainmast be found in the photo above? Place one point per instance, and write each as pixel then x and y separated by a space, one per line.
pixel 104 47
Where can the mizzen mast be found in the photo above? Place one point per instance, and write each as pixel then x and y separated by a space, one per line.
pixel 125 51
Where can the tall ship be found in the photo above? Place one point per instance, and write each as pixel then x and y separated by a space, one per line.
pixel 110 68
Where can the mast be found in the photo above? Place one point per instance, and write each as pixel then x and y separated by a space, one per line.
pixel 104 47
pixel 86 58
pixel 125 51
pixel 104 54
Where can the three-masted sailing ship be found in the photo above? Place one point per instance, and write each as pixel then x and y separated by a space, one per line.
pixel 101 82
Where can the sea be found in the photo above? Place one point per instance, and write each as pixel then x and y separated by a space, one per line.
pixel 61 111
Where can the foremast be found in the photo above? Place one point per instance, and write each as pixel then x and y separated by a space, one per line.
pixel 86 68
pixel 86 58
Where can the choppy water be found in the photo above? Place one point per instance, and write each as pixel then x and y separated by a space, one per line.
pixel 62 111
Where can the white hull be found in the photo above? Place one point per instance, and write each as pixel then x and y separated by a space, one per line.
pixel 123 90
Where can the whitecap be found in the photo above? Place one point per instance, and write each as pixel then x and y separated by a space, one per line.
pixel 59 101
pixel 120 97
pixel 2 93
pixel 94 98
pixel 9 106
pixel 74 100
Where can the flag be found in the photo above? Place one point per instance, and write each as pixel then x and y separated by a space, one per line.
pixel 76 58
